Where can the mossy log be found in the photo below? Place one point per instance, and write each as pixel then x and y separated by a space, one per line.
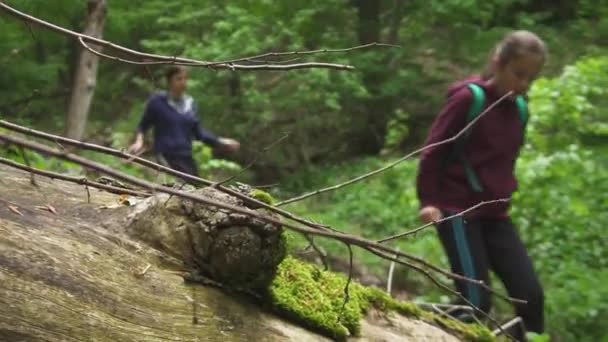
pixel 111 271
pixel 76 275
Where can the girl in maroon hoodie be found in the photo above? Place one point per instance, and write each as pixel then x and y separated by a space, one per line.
pixel 485 238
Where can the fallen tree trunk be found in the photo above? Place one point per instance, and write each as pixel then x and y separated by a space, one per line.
pixel 112 270
pixel 74 275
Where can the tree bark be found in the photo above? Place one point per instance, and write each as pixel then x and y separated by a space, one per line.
pixel 78 272
pixel 85 77
pixel 377 107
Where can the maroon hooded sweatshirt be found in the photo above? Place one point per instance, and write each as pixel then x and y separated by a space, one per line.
pixel 492 148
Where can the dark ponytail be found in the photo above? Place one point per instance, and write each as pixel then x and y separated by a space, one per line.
pixel 512 46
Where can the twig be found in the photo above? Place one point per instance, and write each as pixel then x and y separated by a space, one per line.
pixel 348 281
pixel 86 187
pixel 258 155
pixel 27 162
pixel 308 52
pixel 159 168
pixel 171 196
pixel 389 280
pixel 416 230
pixel 175 61
pixel 150 74
pixel 316 248
pixel 152 59
pixel 345 238
pixel 78 180
pixel 36 94
pixel 398 161
pixel 444 287
pixel 144 271
pixel 29 28
pixel 514 321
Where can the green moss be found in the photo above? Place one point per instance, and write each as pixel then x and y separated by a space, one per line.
pixel 303 292
pixel 468 332
pixel 262 196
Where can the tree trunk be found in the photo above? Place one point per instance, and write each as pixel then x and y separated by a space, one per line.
pixel 377 107
pixel 85 77
pixel 78 273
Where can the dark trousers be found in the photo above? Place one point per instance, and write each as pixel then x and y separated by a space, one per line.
pixel 178 162
pixel 476 246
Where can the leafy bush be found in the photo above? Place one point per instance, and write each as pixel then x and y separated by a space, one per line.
pixel 561 209
pixel 571 108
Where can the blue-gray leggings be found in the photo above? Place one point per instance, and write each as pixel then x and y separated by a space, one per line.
pixel 476 246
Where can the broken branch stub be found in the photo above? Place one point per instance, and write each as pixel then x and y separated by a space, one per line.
pixel 237 250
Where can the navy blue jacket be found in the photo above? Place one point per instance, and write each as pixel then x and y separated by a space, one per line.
pixel 174 130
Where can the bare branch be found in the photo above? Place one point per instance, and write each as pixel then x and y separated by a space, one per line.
pixel 152 59
pixel 398 161
pixel 416 230
pixel 316 248
pixel 255 159
pixel 373 247
pixel 348 281
pixel 345 238
pixel 302 53
pixel 27 162
pixel 36 94
pixel 389 279
pixel 266 66
pixel 86 186
pixel 444 287
pixel 310 228
pixel 158 167
pixel 78 180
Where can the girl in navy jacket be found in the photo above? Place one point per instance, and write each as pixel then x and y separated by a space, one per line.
pixel 173 115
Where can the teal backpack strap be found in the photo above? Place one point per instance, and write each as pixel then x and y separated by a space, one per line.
pixel 479 100
pixel 522 107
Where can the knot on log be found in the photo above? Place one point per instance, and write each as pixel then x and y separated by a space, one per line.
pixel 234 249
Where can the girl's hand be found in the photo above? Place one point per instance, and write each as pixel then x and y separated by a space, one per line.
pixel 137 145
pixel 230 145
pixel 430 214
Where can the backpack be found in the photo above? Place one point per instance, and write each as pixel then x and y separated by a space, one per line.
pixel 476 108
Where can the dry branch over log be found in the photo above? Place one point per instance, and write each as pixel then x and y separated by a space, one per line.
pixel 398 161
pixel 77 180
pixel 365 244
pixel 158 167
pixel 154 59
pixel 417 230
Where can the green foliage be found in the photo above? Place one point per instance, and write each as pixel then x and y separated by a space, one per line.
pixel 330 115
pixel 570 108
pixel 561 214
pixel 210 167
pixel 533 337
pixel 397 131
pixel 560 209
pixel 390 97
pixel 262 196
pixel 316 298
pixel 378 207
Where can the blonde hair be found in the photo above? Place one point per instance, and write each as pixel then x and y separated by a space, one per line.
pixel 512 46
